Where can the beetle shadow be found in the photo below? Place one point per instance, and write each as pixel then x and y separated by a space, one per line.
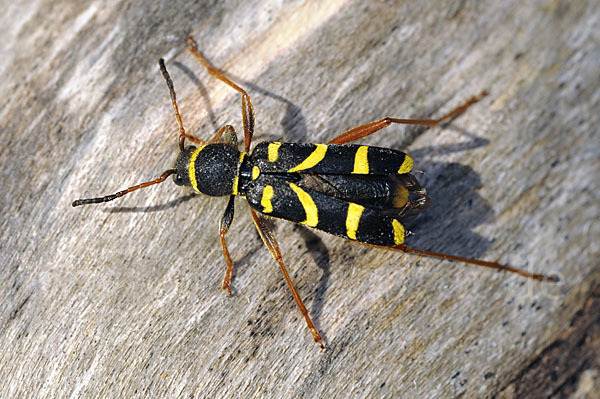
pixel 431 151
pixel 451 186
pixel 293 121
pixel 320 254
pixel 203 93
pixel 152 208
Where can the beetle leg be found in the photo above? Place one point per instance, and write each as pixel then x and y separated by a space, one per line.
pixel 552 278
pixel 223 228
pixel 228 134
pixel 370 128
pixel 247 108
pixel 271 243
pixel 478 262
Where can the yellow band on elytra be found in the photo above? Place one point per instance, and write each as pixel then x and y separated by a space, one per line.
pixel 273 151
pixel 255 172
pixel 265 201
pixel 406 165
pixel 353 218
pixel 399 232
pixel 314 158
pixel 312 213
pixel 361 163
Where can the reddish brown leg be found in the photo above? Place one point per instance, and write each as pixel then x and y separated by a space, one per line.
pixel 223 228
pixel 483 263
pixel 477 262
pixel 370 128
pixel 271 244
pixel 229 135
pixel 247 108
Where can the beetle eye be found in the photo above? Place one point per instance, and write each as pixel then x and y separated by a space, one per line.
pixel 178 179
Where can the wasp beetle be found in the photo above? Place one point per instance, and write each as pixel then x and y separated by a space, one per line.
pixel 357 192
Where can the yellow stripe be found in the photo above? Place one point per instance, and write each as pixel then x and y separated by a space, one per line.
pixel 273 151
pixel 406 165
pixel 312 213
pixel 352 219
pixel 266 199
pixel 255 172
pixel 314 158
pixel 235 185
pixel 192 167
pixel 236 179
pixel 361 163
pixel 400 197
pixel 399 232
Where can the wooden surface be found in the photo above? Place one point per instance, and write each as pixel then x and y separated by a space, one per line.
pixel 124 300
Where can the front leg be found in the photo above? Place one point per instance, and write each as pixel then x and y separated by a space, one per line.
pixel 247 108
pixel 226 135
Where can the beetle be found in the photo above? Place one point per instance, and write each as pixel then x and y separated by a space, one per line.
pixel 357 192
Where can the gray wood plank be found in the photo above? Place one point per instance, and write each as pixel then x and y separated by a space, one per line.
pixel 124 299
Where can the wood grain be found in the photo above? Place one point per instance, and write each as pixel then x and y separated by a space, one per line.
pixel 124 300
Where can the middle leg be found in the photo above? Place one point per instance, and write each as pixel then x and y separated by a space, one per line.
pixel 370 128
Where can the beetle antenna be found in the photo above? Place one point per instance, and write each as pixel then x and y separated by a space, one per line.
pixel 87 201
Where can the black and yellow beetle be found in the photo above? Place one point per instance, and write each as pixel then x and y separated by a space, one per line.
pixel 357 192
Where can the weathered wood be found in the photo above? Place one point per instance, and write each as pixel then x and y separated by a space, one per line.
pixel 123 300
